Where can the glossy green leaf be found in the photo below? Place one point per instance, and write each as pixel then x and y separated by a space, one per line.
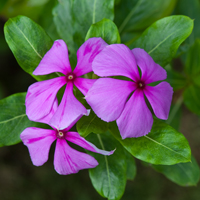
pixel 190 8
pixel 74 18
pixel 191 98
pixel 106 29
pixel 192 64
pixel 184 174
pixel 13 119
pixel 91 124
pixel 131 166
pixel 162 39
pixel 28 42
pixel 162 146
pixel 139 14
pixel 109 177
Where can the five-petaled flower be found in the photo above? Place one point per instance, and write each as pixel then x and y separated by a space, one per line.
pixel 41 95
pixel 66 159
pixel 123 100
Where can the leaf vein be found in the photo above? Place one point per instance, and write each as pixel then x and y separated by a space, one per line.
pixel 27 40
pixel 6 121
pixel 164 146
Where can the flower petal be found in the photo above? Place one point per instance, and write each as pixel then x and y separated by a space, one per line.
pixel 84 84
pixel 48 117
pixel 160 98
pixel 55 60
pixel 136 119
pixel 86 54
pixel 69 111
pixel 151 71
pixel 116 60
pixel 38 142
pixel 77 139
pixel 41 96
pixel 69 161
pixel 108 96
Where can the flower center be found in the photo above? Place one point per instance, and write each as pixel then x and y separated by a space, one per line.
pixel 60 135
pixel 70 77
pixel 141 84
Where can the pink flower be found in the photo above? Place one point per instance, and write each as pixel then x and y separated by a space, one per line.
pixel 123 100
pixel 41 95
pixel 66 159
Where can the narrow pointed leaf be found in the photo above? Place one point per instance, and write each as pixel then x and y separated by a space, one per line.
pixel 183 174
pixel 162 39
pixel 13 119
pixel 28 42
pixel 109 177
pixel 106 29
pixel 192 64
pixel 191 97
pixel 162 146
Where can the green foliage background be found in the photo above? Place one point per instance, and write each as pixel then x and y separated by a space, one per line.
pixel 19 179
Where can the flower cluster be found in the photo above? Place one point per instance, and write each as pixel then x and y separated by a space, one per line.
pixel 110 98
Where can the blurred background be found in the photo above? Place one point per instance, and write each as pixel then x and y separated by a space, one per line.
pixel 19 179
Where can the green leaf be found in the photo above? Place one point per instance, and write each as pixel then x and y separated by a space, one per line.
pixel 162 39
pixel 13 119
pixel 47 22
pixel 139 14
pixel 131 166
pixel 74 18
pixel 191 98
pixel 192 65
pixel 176 79
pixel 91 124
pixel 28 42
pixel 190 8
pixel 162 146
pixel 184 174
pixel 29 8
pixel 109 177
pixel 105 29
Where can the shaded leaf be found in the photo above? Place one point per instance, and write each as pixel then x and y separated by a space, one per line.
pixel 139 14
pixel 192 64
pixel 184 174
pixel 191 98
pixel 190 8
pixel 91 124
pixel 131 166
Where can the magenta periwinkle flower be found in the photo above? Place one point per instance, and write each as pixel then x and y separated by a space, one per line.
pixel 124 100
pixel 66 159
pixel 41 95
